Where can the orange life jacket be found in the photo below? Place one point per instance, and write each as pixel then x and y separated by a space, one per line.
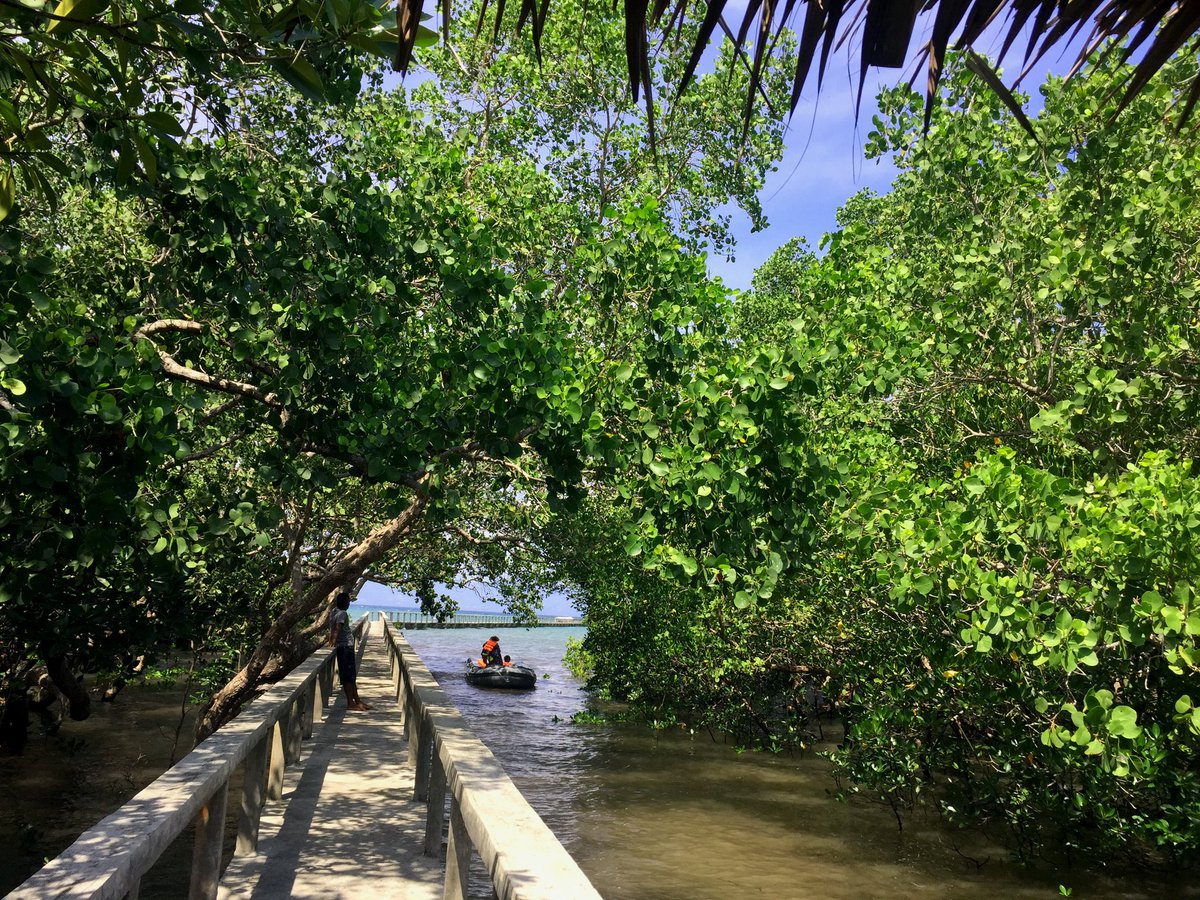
pixel 508 664
pixel 481 663
pixel 489 645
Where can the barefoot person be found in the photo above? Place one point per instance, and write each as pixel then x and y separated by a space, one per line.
pixel 341 638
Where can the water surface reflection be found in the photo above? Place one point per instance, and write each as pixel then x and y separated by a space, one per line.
pixel 672 816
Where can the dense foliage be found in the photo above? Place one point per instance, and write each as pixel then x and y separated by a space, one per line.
pixel 132 77
pixel 940 473
pixel 570 110
pixel 312 350
pixel 952 480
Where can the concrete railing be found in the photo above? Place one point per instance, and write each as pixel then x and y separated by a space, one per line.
pixel 487 812
pixel 109 860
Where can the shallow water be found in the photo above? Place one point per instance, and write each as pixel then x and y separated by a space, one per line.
pixel 62 785
pixel 668 815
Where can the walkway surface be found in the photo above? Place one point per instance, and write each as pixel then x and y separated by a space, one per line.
pixel 347 826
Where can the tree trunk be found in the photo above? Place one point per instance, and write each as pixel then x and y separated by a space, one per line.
pixel 14 721
pixel 276 654
pixel 79 704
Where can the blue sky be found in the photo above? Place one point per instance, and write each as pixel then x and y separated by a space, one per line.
pixel 822 167
pixel 823 163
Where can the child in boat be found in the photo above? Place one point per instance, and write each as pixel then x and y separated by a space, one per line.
pixel 508 660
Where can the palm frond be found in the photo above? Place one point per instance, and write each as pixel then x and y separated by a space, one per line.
pixel 885 27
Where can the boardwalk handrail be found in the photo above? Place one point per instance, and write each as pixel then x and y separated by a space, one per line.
pixel 108 860
pixel 487 812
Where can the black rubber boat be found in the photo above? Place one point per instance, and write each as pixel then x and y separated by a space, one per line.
pixel 501 676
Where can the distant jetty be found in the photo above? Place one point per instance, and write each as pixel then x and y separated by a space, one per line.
pixel 407 618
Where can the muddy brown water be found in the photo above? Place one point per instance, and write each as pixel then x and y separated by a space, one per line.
pixel 649 815
pixel 670 815
pixel 63 784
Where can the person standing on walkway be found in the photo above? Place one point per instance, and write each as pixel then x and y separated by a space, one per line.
pixel 341 638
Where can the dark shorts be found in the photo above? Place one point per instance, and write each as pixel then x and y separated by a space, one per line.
pixel 347 671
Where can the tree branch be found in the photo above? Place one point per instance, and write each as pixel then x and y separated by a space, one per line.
pixel 180 372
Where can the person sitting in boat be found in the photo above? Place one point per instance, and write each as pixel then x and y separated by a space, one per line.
pixel 507 660
pixel 491 652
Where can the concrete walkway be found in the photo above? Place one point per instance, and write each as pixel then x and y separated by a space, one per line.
pixel 347 826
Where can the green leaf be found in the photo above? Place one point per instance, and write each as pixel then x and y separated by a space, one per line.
pixel 146 155
pixel 8 188
pixel 426 37
pixel 1152 601
pixel 1192 626
pixel 623 372
pixel 14 386
pixel 8 115
pixel 923 584
pixel 742 599
pixel 164 122
pixel 126 161
pixel 1122 721
pixel 300 74
pixel 70 14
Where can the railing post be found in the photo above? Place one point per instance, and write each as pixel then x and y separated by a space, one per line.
pixel 315 708
pixel 254 791
pixel 206 855
pixel 435 817
pixel 402 690
pixel 327 681
pixel 275 777
pixel 458 856
pixel 413 736
pixel 424 758
pixel 295 728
